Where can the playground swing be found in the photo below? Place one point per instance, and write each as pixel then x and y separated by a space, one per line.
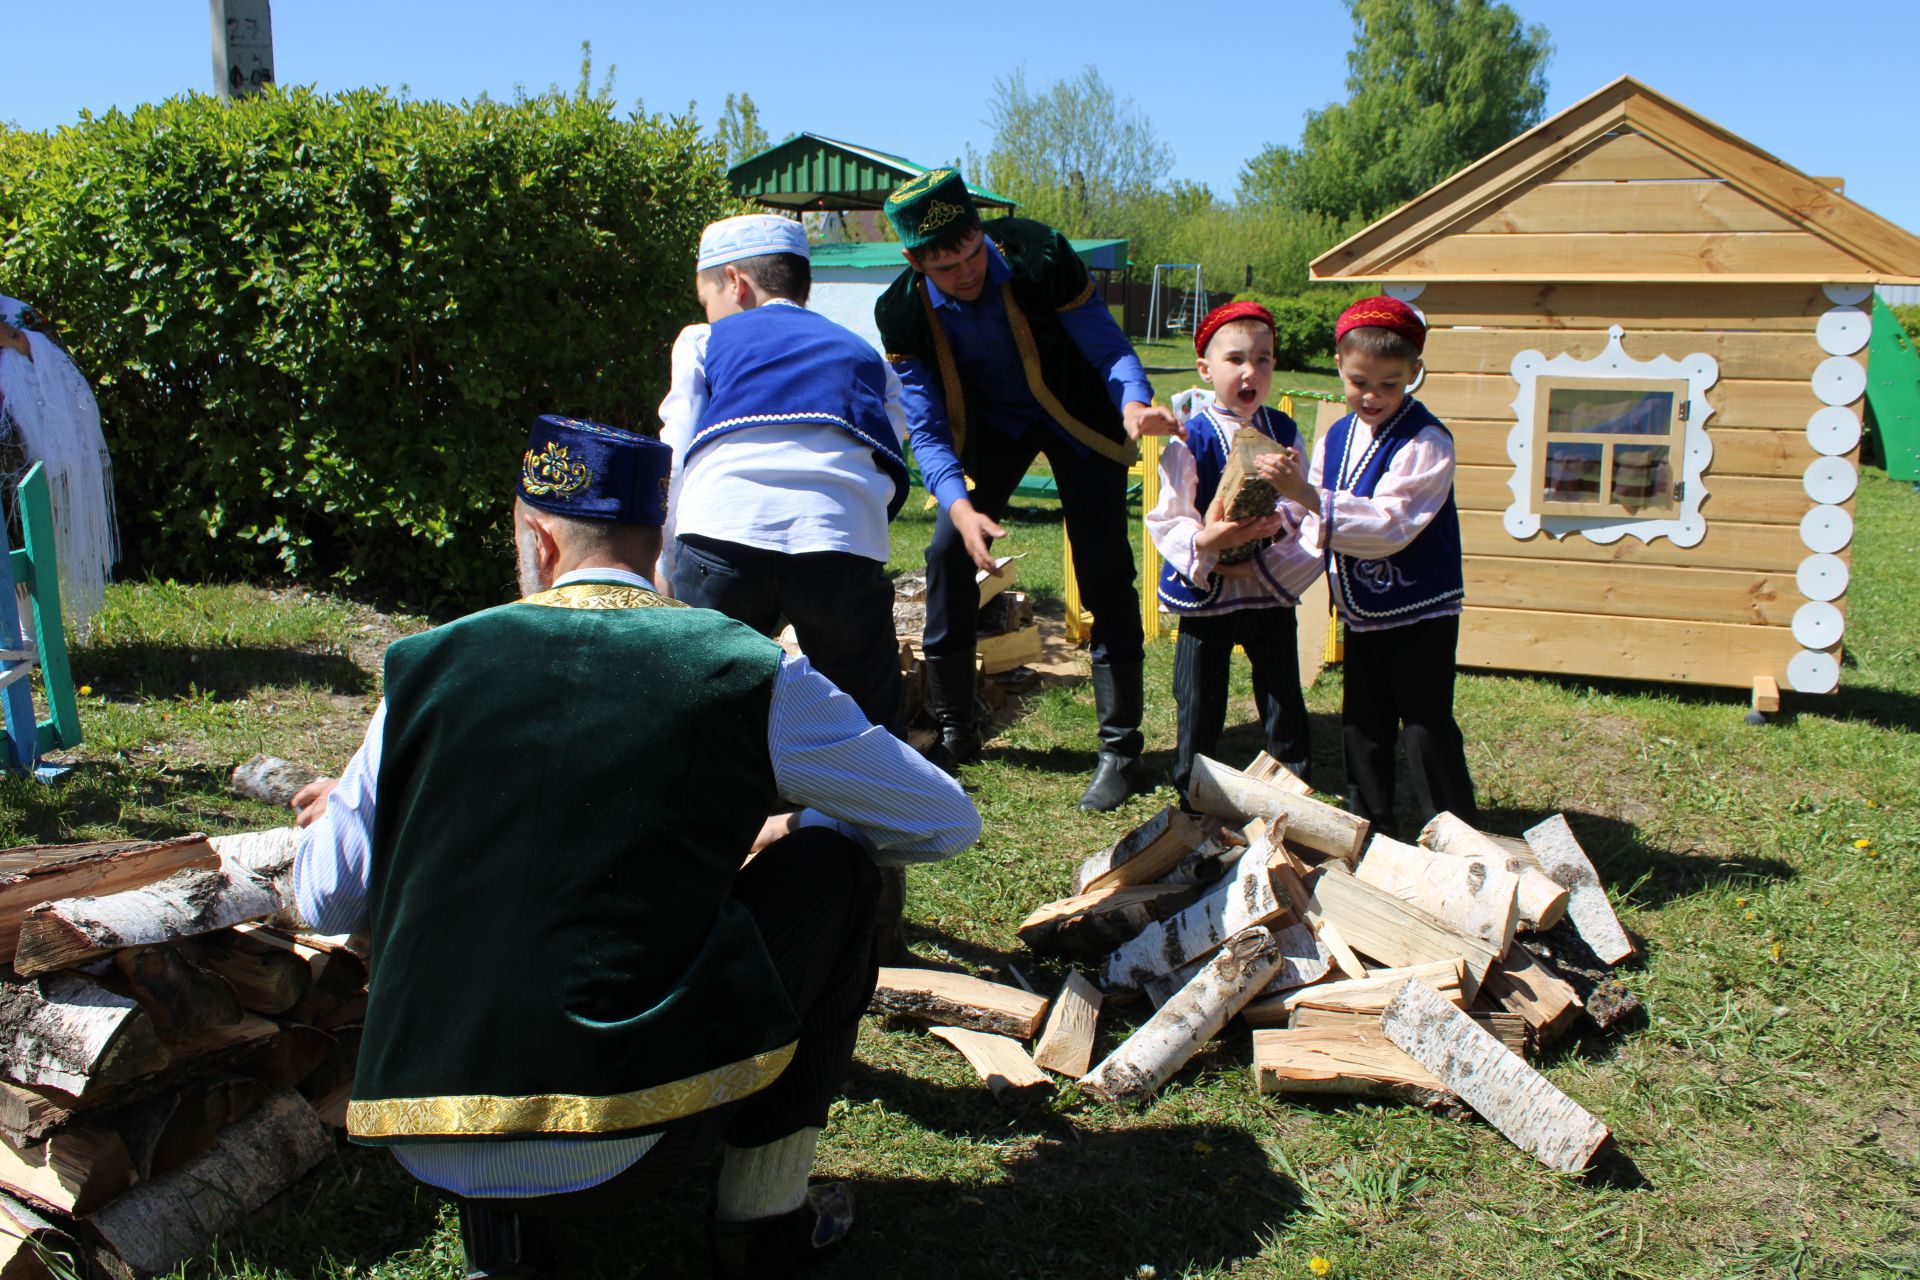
pixel 34 568
pixel 1173 308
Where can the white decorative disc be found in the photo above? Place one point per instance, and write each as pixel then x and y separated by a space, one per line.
pixel 1830 479
pixel 1826 529
pixel 1406 292
pixel 1839 380
pixel 1811 672
pixel 1843 331
pixel 1822 577
pixel 1834 430
pixel 1817 624
pixel 1847 295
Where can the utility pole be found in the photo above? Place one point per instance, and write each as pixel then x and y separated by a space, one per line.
pixel 242 46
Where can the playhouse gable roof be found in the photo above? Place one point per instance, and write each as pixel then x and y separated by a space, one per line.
pixel 1628 185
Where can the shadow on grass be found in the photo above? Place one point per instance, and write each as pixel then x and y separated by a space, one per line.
pixel 165 670
pixel 1877 705
pixel 101 794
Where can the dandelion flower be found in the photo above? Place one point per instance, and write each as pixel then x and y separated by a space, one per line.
pixel 1739 902
pixel 1777 950
pixel 1863 842
pixel 1319 1266
pixel 85 691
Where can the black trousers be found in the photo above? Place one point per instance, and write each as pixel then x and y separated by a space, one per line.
pixel 1093 497
pixel 812 894
pixel 840 605
pixel 1202 661
pixel 1403 676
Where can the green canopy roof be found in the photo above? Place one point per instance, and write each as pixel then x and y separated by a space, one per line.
pixel 809 172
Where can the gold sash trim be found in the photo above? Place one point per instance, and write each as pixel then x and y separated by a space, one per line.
pixel 601 595
pixel 1080 299
pixel 949 377
pixel 483 1114
pixel 1124 452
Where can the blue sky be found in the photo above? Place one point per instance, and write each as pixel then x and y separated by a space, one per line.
pixel 1817 85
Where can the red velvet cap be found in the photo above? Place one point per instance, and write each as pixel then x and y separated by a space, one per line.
pixel 1383 313
pixel 1227 313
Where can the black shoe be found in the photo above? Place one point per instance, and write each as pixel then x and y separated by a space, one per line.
pixel 1117 699
pixel 950 699
pixel 773 1248
pixel 1114 779
pixel 490 1243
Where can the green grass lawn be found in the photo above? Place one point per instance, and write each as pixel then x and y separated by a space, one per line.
pixel 1767 1102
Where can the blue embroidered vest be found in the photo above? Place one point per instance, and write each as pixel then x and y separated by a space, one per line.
pixel 784 364
pixel 1423 575
pixel 1210 440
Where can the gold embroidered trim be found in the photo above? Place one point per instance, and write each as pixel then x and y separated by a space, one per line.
pixel 894 357
pixel 490 1114
pixel 601 595
pixel 913 187
pixel 1079 299
pixel 1126 453
pixel 949 376
pixel 939 213
pixel 552 471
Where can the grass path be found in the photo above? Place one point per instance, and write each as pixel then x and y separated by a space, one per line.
pixel 1768 1100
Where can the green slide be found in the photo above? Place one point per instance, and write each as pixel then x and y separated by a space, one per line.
pixel 1893 391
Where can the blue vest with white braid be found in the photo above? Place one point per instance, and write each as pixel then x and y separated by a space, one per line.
pixel 780 365
pixel 1210 440
pixel 1422 576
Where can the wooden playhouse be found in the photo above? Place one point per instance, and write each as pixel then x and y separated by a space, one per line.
pixel 1649 338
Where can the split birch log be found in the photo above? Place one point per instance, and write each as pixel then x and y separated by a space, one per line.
pixel 269 975
pixel 1562 858
pixel 1089 925
pixel 164 1133
pixel 1149 1057
pixel 1264 768
pixel 1510 1029
pixel 1227 793
pixel 1303 960
pixel 1289 873
pixel 37 873
pixel 992 584
pixel 28 1240
pixel 28 1113
pixel 158 1224
pixel 1473 894
pixel 75 1172
pixel 1209 861
pixel 1243 492
pixel 955 999
pixel 1605 997
pixel 1379 925
pixel 57 935
pixel 1232 906
pixel 1066 1042
pixel 334 974
pixel 1368 995
pixel 998 1060
pixel 182 998
pixel 271 779
pixel 1356 1060
pixel 1525 985
pixel 1144 854
pixel 1539 901
pixel 69 1032
pixel 1510 1095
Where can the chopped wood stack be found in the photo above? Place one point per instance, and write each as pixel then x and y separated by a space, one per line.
pixel 1426 972
pixel 170 1060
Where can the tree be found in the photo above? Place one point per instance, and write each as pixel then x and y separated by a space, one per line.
pixel 738 132
pixel 1075 155
pixel 1432 86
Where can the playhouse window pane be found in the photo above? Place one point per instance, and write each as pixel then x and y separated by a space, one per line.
pixel 1642 475
pixel 1608 411
pixel 1573 473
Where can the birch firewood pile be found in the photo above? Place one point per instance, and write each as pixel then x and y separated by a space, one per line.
pixel 1432 973
pixel 172 1057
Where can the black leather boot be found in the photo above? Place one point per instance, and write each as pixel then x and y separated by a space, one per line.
pixel 775 1248
pixel 1117 697
pixel 490 1241
pixel 950 698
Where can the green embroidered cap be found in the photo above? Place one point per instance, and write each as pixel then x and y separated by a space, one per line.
pixel 928 206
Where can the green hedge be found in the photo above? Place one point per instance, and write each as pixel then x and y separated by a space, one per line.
pixel 1303 324
pixel 319 326
pixel 1909 318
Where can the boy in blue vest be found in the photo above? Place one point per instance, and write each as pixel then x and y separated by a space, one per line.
pixel 1225 600
pixel 786 433
pixel 1381 493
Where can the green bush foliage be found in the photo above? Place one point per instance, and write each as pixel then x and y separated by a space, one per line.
pixel 1303 324
pixel 320 325
pixel 1909 318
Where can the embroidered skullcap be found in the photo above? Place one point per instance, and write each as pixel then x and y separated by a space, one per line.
pixel 594 472
pixel 927 207
pixel 750 236
pixel 1226 314
pixel 1383 313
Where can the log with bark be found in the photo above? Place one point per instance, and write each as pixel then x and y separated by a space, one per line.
pixel 1066 1041
pixel 1304 959
pixel 1370 994
pixel 67 1031
pixel 1264 768
pixel 1380 926
pixel 1523 984
pixel 271 779
pixel 166 1132
pixel 1562 858
pixel 28 1242
pixel 269 975
pixel 1228 793
pixel 1144 854
pixel 1183 1025
pixel 1510 1029
pixel 75 1171
pixel 183 998
pixel 1233 905
pixel 39 873
pixel 1538 899
pixel 1510 1095
pixel 1089 925
pixel 998 1060
pixel 939 998
pixel 1474 894
pixel 1604 998
pixel 1348 1059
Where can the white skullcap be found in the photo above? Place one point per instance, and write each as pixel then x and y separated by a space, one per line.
pixel 749 236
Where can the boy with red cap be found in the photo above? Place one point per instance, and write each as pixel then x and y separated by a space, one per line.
pixel 1381 493
pixel 1232 582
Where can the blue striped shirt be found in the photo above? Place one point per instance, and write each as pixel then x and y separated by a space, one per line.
pixel 848 773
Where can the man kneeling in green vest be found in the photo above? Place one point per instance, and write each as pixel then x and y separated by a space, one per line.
pixel 576 986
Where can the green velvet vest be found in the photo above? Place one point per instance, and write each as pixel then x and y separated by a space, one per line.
pixel 567 788
pixel 1048 278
